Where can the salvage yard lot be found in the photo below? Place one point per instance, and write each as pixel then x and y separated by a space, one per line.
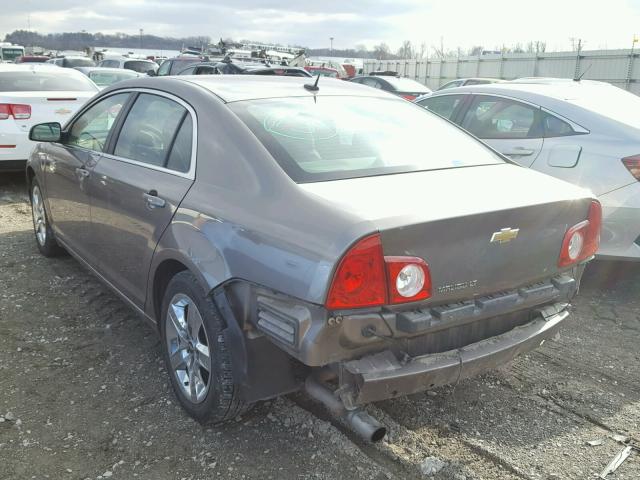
pixel 83 380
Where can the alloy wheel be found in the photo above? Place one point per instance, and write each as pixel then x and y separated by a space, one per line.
pixel 39 217
pixel 189 348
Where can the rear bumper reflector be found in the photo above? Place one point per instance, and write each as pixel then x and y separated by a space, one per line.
pixel 7 146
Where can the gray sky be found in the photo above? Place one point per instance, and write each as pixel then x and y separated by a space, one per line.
pixel 464 23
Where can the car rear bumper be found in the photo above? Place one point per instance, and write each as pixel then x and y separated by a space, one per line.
pixel 12 165
pixel 383 375
pixel 14 144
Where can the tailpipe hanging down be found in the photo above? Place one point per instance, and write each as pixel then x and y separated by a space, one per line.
pixel 358 419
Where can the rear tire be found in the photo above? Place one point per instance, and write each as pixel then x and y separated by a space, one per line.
pixel 196 353
pixel 45 238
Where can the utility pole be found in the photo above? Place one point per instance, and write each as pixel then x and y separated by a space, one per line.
pixel 630 64
pixel 331 48
pixel 141 32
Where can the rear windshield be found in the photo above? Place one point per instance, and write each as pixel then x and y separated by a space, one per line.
pixel 330 138
pixel 140 66
pixel 104 79
pixel 606 100
pixel 57 79
pixel 79 62
pixel 406 85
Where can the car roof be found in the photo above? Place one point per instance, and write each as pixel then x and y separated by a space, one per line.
pixel 559 89
pixel 233 88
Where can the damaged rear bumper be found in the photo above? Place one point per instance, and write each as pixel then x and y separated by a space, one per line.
pixel 383 375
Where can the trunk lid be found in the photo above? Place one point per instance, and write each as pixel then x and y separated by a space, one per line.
pixel 55 106
pixel 449 218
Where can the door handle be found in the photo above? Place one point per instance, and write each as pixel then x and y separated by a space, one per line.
pixel 519 151
pixel 153 201
pixel 82 173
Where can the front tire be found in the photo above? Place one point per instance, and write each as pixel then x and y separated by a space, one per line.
pixel 196 353
pixel 45 239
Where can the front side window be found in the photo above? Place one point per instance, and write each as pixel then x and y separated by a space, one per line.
pixel 330 138
pixel 187 71
pixel 149 130
pixel 455 83
pixel 501 118
pixel 443 105
pixel 78 62
pixel 140 66
pixel 371 82
pixel 110 63
pixel 164 68
pixel 92 128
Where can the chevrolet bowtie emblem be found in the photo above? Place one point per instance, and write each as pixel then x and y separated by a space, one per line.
pixel 63 111
pixel 504 235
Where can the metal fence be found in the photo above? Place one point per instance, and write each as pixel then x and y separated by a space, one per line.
pixel 618 67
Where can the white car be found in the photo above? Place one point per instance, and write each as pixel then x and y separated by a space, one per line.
pixel 584 132
pixel 32 94
pixel 136 64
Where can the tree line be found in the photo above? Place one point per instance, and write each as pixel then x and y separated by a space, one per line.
pixel 84 40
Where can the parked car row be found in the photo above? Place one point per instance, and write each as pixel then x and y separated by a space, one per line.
pixel 296 233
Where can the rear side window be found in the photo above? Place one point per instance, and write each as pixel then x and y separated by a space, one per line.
pixel 554 127
pixel 180 156
pixel 443 105
pixel 330 138
pixel 149 130
pixel 37 81
pixel 501 118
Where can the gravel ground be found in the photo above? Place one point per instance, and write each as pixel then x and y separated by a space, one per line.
pixel 83 394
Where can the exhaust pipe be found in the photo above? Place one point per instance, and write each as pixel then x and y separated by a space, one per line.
pixel 359 420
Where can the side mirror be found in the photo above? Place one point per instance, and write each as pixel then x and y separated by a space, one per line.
pixel 46 132
pixel 151 73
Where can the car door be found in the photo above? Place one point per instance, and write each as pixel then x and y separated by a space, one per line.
pixel 562 152
pixel 138 185
pixel 446 106
pixel 69 166
pixel 512 127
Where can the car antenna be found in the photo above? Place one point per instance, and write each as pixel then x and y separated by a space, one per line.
pixel 314 87
pixel 579 77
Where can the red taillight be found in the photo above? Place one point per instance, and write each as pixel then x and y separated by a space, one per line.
pixel 582 240
pixel 411 98
pixel 633 165
pixel 15 110
pixel 359 280
pixel 366 278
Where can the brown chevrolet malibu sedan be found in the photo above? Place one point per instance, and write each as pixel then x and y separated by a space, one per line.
pixel 284 235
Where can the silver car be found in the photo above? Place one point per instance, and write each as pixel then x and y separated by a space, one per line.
pixel 284 235
pixel 584 132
